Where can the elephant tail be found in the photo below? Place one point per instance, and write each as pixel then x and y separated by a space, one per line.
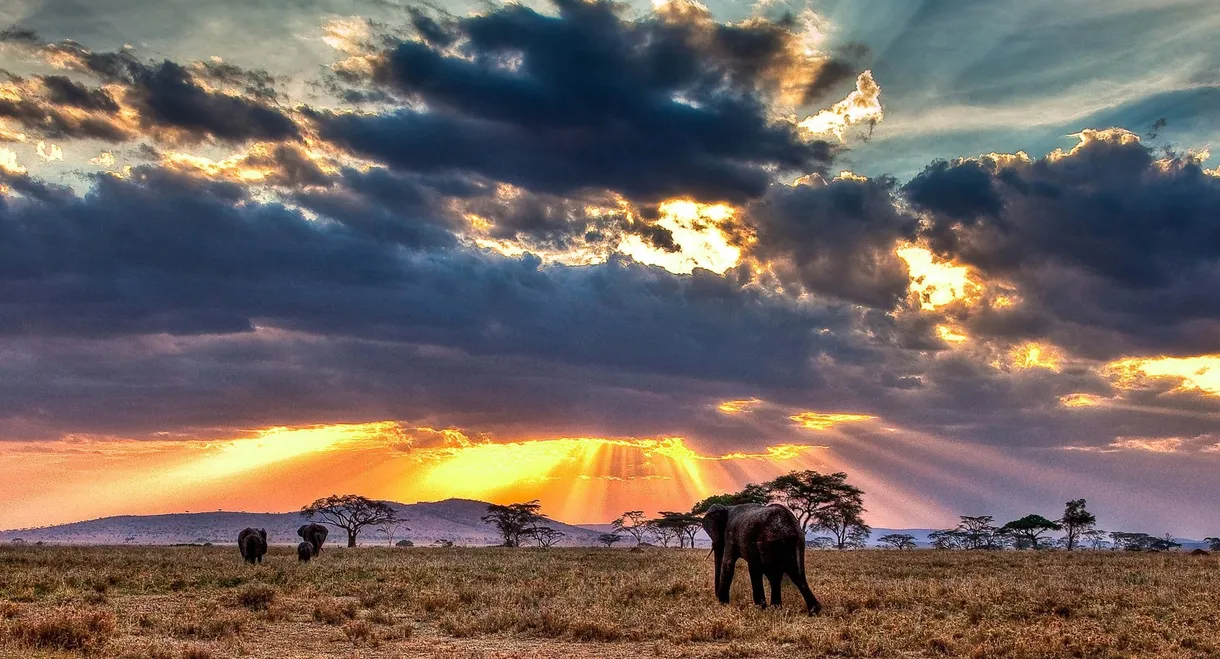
pixel 800 556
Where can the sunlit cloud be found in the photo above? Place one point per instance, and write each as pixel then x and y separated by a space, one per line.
pixel 951 335
pixel 862 106
pixel 1035 355
pixel 696 233
pixel 733 407
pixel 824 421
pixel 49 152
pixel 346 35
pixel 937 283
pixel 9 163
pixel 1081 400
pixel 1200 373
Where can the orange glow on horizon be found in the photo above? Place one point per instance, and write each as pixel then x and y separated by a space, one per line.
pixel 577 479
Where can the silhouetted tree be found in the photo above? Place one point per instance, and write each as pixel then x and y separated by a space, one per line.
pixel 947 539
pixel 1165 543
pixel 683 525
pixel 1213 543
pixel 751 493
pixel 898 540
pixel 545 536
pixel 391 528
pixel 820 542
pixel 350 512
pixel 514 519
pixel 1029 529
pixel 609 538
pixel 824 502
pixel 1131 541
pixel 1095 537
pixel 977 532
pixel 1075 521
pixel 633 523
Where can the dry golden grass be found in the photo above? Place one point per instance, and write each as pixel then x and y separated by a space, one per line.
pixel 203 603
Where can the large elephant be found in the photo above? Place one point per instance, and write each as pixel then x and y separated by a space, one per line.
pixel 771 541
pixel 252 543
pixel 314 534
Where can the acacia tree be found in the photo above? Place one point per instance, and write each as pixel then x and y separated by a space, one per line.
pixel 1029 529
pixel 826 502
pixel 545 536
pixel 684 525
pixel 634 524
pixel 1213 543
pixel 609 538
pixel 1075 522
pixel 350 512
pixel 947 539
pixel 898 540
pixel 391 528
pixel 1095 537
pixel 977 532
pixel 514 520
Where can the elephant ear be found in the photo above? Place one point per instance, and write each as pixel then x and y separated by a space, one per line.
pixel 304 527
pixel 714 523
pixel 263 534
pixel 322 531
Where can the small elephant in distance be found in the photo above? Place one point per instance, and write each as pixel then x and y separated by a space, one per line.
pixel 304 552
pixel 315 534
pixel 252 543
pixel 772 542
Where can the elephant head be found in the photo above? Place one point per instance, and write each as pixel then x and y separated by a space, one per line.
pixel 714 524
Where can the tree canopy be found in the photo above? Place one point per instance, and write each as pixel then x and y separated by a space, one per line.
pixel 514 520
pixel 351 513
pixel 1029 530
pixel 1075 522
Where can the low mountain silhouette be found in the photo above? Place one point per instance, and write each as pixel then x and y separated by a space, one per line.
pixel 454 520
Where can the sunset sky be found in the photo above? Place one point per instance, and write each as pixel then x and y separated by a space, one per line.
pixel 611 256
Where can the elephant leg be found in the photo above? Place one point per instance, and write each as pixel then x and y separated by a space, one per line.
pixel 726 577
pixel 776 577
pixel 798 577
pixel 756 584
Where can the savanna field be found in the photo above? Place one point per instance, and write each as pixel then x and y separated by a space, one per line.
pixel 202 602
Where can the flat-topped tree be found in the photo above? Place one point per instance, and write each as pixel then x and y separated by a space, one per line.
pixel 514 520
pixel 350 512
pixel 634 524
pixel 1029 529
pixel 898 540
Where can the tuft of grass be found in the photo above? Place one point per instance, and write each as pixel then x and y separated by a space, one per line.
pixel 256 597
pixel 334 612
pixel 85 630
pixel 361 633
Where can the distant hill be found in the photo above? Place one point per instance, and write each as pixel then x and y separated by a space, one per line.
pixel 455 520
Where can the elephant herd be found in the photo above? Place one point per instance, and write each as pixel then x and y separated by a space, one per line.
pixel 252 543
pixel 769 538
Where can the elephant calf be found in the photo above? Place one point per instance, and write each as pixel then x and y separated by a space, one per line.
pixel 315 534
pixel 772 542
pixel 304 552
pixel 252 543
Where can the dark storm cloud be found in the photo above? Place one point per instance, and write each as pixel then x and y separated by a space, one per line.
pixel 1113 250
pixel 165 95
pixel 111 263
pixel 586 99
pixel 836 239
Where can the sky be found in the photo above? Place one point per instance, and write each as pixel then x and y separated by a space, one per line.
pixel 611 256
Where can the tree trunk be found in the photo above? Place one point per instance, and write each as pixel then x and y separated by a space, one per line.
pixel 351 538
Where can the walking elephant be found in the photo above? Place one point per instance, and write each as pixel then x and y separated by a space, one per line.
pixel 304 552
pixel 314 534
pixel 772 542
pixel 252 543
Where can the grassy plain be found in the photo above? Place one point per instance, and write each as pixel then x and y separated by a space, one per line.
pixel 203 603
